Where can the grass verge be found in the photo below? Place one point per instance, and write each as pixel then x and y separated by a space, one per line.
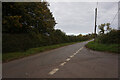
pixel 104 47
pixel 16 55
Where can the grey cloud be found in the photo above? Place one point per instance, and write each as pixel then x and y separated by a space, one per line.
pixel 78 17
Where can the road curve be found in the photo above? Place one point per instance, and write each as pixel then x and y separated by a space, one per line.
pixel 73 61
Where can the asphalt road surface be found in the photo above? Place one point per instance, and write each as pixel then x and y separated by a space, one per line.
pixel 73 61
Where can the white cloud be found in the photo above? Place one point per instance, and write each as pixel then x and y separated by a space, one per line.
pixel 78 17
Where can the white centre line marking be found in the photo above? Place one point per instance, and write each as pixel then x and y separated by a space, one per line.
pixel 53 71
pixel 79 50
pixel 67 59
pixel 74 53
pixel 62 64
pixel 72 56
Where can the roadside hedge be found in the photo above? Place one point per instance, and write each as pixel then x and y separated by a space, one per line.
pixel 110 38
pixel 22 42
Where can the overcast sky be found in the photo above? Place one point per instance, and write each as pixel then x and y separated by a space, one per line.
pixel 78 17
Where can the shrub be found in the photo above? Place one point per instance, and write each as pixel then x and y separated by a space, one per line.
pixel 19 42
pixel 111 37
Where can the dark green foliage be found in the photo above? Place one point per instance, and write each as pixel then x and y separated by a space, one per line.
pixel 30 25
pixel 106 41
pixel 104 47
pixel 23 17
pixel 18 42
pixel 22 42
pixel 15 55
pixel 110 38
pixel 102 28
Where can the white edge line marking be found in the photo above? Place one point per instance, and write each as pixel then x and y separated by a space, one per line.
pixel 62 64
pixel 53 71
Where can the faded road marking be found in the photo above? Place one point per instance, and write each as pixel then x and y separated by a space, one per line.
pixel 62 64
pixel 67 59
pixel 53 71
pixel 72 56
pixel 79 50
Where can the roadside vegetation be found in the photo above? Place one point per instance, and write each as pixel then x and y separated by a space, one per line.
pixel 28 28
pixel 107 40
pixel 16 55
pixel 115 48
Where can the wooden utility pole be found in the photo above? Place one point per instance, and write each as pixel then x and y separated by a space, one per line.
pixel 95 22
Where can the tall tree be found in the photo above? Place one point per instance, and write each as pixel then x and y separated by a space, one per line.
pixel 108 27
pixel 25 17
pixel 101 27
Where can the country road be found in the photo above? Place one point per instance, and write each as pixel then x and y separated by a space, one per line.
pixel 73 61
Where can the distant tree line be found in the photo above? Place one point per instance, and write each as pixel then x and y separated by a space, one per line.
pixel 29 25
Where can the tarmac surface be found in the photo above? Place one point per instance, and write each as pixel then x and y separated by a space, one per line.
pixel 72 61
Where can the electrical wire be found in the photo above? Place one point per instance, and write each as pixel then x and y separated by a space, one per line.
pixel 115 16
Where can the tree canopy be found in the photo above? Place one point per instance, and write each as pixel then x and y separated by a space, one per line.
pixel 102 28
pixel 31 24
pixel 23 17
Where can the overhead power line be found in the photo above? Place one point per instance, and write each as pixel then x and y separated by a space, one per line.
pixel 115 15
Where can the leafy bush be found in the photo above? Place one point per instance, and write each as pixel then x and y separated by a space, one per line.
pixel 31 25
pixel 22 42
pixel 110 38
pixel 16 42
